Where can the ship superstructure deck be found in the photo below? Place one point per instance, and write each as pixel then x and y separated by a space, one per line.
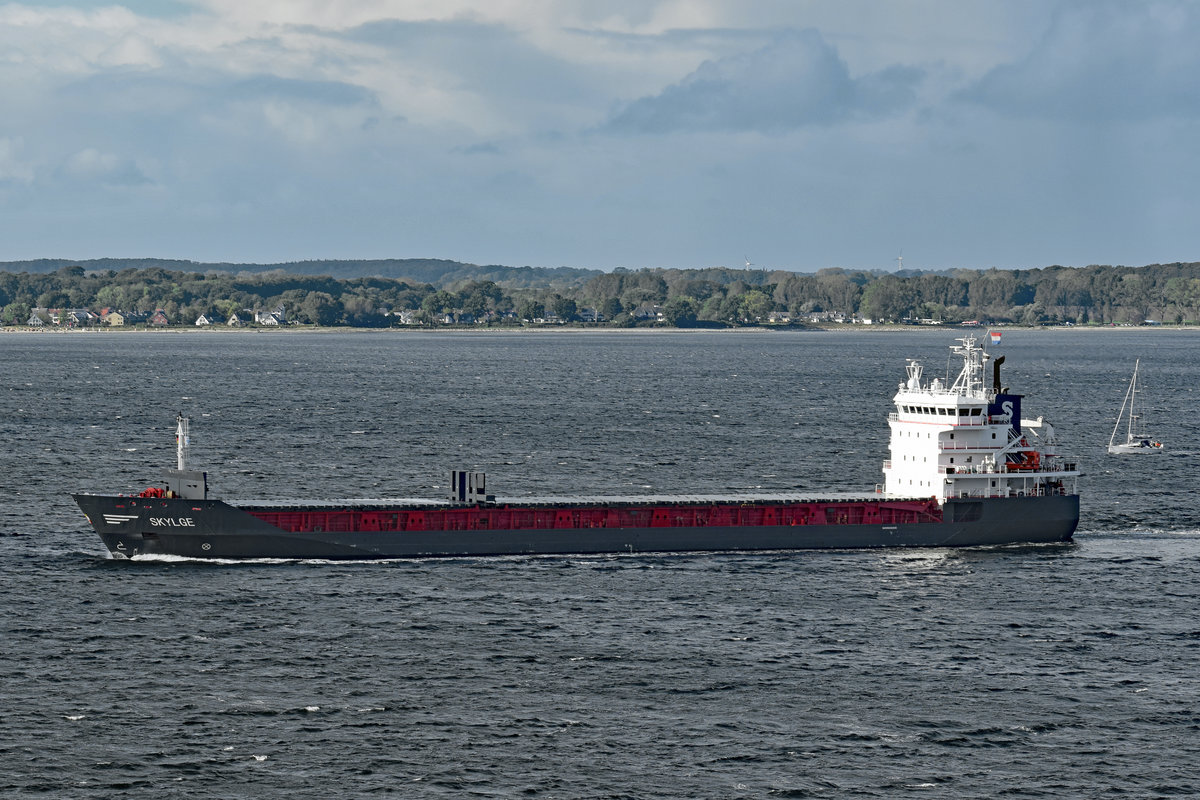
pixel 966 440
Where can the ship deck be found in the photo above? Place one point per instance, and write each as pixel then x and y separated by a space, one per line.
pixel 581 501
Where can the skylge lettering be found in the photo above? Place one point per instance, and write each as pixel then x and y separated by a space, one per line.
pixel 173 522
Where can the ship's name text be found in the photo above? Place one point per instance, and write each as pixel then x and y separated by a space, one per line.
pixel 173 522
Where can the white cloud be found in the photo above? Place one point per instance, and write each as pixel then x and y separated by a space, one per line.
pixel 796 80
pixel 92 166
pixel 1099 62
pixel 130 51
pixel 62 40
pixel 12 167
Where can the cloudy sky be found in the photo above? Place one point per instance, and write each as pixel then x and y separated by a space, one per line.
pixel 603 133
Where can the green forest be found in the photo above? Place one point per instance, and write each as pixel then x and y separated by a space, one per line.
pixel 714 297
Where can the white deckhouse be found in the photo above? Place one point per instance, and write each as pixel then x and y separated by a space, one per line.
pixel 968 440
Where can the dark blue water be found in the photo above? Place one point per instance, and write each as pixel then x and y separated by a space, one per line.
pixel 1064 671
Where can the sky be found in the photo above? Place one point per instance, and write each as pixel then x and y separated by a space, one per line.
pixel 792 134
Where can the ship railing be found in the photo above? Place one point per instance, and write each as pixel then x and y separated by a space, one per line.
pixel 1036 491
pixel 950 422
pixel 1004 469
pixel 980 448
pixel 967 469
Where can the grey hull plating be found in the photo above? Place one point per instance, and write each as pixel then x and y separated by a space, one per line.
pixel 213 529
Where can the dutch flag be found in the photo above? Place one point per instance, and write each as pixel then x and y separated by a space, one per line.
pixel 995 336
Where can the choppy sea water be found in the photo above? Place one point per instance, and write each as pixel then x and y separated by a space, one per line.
pixel 1061 671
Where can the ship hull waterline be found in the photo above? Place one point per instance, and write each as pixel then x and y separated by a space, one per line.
pixel 217 530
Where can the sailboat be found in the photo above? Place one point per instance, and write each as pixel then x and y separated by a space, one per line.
pixel 1136 440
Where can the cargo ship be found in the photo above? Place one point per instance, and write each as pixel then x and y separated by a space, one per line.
pixel 965 470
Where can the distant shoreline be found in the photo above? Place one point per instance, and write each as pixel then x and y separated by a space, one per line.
pixel 557 330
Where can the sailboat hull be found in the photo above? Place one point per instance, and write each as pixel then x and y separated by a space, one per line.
pixel 1135 448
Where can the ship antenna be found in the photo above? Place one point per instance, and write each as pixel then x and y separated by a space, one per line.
pixel 181 440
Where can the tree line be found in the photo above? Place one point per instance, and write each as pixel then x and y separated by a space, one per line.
pixel 1167 293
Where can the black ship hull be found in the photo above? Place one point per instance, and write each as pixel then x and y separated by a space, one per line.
pixel 212 529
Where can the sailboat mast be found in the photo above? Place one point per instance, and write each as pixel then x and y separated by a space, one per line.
pixel 1132 400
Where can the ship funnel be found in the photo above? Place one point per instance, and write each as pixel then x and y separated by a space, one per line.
pixel 468 487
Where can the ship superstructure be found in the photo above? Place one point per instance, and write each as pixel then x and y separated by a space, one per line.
pixel 966 439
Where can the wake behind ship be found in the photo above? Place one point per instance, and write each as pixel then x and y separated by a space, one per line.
pixel 965 470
